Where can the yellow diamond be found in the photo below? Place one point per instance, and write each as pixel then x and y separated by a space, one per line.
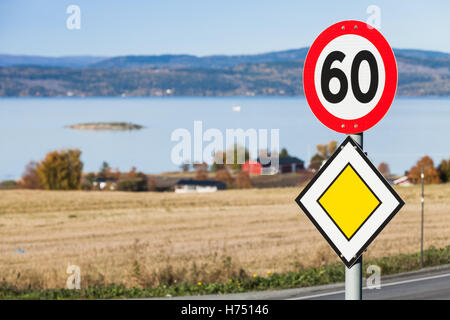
pixel 349 201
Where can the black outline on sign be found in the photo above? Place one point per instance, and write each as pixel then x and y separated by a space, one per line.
pixel 379 201
pixel 350 263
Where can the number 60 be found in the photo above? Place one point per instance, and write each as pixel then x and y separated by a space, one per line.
pixel 328 73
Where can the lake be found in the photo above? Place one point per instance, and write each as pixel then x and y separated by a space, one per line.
pixel 31 127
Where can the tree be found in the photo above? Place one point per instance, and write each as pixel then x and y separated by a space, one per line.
pixel 283 153
pixel 431 175
pixel 383 167
pixel 8 184
pixel 237 152
pixel 201 170
pixel 104 169
pixel 30 178
pixel 243 181
pixel 316 162
pixel 200 166
pixel 324 152
pixel 151 184
pixel 444 170
pixel 106 172
pixel 185 167
pixel 219 161
pixel 61 170
pixel 133 181
pixel 224 176
pixel 201 174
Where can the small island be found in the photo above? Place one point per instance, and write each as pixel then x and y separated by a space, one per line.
pixel 106 126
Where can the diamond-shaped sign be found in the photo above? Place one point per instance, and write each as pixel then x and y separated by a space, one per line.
pixel 349 201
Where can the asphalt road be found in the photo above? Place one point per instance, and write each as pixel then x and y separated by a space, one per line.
pixel 426 284
pixel 423 288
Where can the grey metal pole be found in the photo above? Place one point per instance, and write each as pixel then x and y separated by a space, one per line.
pixel 422 176
pixel 353 276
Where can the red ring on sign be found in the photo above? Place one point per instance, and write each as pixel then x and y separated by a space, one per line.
pixel 390 66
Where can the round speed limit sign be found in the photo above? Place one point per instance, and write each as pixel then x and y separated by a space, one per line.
pixel 350 77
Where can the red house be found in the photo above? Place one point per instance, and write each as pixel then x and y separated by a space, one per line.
pixel 252 167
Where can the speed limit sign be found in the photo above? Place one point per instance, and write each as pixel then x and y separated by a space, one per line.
pixel 350 77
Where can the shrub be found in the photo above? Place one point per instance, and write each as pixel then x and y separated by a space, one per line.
pixel 243 181
pixel 134 181
pixel 8 184
pixel 224 176
pixel 444 170
pixel 30 178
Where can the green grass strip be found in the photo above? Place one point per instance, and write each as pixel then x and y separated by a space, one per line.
pixel 327 274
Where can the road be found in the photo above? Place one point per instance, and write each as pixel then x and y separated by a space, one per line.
pixel 426 284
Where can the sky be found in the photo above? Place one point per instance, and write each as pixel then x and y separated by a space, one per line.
pixel 199 27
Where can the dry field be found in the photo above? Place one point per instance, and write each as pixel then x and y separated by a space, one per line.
pixel 145 238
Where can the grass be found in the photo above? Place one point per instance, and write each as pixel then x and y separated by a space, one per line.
pixel 327 274
pixel 150 240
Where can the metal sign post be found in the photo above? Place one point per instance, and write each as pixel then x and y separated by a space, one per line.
pixel 422 200
pixel 353 275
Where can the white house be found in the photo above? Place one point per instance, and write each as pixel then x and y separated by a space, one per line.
pixel 201 186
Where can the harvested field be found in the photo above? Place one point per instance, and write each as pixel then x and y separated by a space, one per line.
pixel 147 238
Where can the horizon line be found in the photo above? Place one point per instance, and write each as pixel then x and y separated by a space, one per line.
pixel 184 54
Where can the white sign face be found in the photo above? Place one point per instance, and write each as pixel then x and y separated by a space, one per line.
pixel 349 201
pixel 368 71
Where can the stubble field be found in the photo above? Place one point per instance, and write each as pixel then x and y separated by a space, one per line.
pixel 144 239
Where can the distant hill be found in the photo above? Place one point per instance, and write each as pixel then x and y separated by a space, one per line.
pixel 189 61
pixel 421 73
pixel 68 61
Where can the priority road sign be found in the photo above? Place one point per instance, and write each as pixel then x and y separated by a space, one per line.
pixel 350 77
pixel 349 201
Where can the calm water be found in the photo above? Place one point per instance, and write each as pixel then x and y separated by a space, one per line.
pixel 30 127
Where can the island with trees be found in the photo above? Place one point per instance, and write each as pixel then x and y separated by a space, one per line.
pixel 106 126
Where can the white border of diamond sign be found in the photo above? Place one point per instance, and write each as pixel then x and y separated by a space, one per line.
pixel 349 250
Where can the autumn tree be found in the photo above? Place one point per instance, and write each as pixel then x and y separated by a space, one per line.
pixel 431 175
pixel 61 170
pixel 201 171
pixel 224 176
pixel 324 152
pixel 106 172
pixel 316 162
pixel 30 178
pixel 185 167
pixel 243 181
pixel 201 174
pixel 444 170
pixel 151 184
pixel 383 167
pixel 133 181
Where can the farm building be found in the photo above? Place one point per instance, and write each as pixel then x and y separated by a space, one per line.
pixel 104 183
pixel 191 185
pixel 286 165
pixel 291 164
pixel 252 167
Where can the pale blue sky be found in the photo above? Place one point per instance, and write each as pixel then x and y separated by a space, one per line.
pixel 207 27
